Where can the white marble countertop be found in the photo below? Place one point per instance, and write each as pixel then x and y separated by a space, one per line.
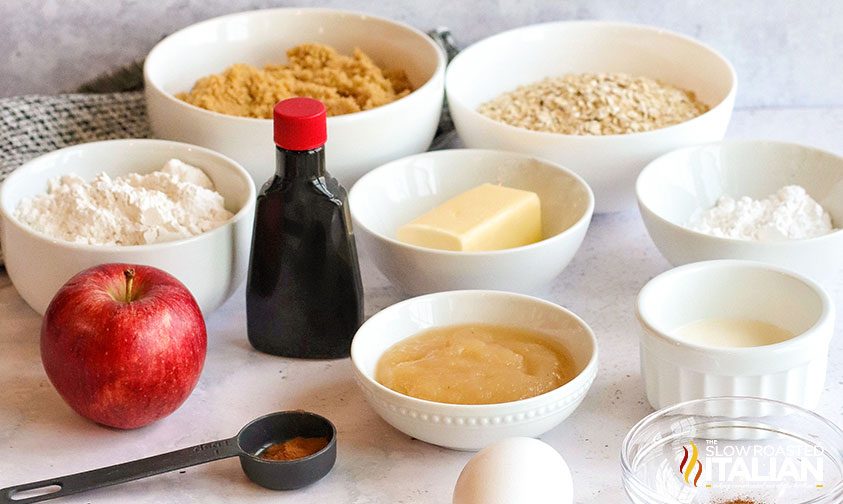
pixel 41 437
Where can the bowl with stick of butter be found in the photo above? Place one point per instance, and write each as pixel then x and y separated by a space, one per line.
pixel 471 219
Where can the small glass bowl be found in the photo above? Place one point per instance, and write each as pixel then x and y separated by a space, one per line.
pixel 733 449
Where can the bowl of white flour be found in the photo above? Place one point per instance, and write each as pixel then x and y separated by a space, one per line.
pixel 766 201
pixel 178 207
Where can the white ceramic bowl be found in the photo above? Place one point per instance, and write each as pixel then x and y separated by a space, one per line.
pixel 398 192
pixel 675 186
pixel 609 163
pixel 212 265
pixel 792 371
pixel 356 142
pixel 472 427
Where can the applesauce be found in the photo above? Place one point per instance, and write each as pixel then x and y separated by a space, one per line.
pixel 475 364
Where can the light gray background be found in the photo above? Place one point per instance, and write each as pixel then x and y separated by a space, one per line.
pixel 788 53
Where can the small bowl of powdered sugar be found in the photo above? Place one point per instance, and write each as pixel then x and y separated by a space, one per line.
pixel 774 202
pixel 178 207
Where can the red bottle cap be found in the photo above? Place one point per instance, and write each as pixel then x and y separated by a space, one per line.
pixel 300 124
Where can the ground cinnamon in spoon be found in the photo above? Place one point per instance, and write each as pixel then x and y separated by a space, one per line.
pixel 295 448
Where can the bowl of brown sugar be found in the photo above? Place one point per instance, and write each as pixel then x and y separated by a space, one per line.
pixel 215 83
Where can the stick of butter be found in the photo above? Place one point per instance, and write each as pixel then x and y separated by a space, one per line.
pixel 488 217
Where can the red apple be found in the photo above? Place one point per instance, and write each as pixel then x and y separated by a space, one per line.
pixel 123 344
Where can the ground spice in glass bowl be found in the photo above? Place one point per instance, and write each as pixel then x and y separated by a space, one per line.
pixel 293 449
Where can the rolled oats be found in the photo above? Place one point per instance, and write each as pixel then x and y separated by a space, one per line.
pixel 594 104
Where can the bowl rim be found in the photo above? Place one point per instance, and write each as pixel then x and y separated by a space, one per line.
pixel 127 143
pixel 626 463
pixel 582 220
pixel 645 318
pixel 643 203
pixel 583 379
pixel 160 47
pixel 726 102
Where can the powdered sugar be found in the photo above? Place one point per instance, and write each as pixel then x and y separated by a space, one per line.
pixel 178 201
pixel 789 214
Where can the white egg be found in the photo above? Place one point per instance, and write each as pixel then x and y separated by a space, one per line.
pixel 515 471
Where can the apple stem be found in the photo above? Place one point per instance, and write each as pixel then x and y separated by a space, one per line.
pixel 130 278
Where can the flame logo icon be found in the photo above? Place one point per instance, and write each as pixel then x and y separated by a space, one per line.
pixel 690 462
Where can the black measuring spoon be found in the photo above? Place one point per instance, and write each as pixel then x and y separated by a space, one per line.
pixel 254 437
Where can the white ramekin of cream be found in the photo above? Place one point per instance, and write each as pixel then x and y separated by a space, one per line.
pixel 734 328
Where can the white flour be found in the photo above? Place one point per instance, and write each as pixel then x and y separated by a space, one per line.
pixel 789 214
pixel 177 201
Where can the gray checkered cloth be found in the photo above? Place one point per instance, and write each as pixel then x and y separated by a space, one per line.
pixel 35 125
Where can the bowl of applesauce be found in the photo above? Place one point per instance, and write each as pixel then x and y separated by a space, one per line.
pixel 463 369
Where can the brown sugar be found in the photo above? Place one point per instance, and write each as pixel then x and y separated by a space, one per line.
pixel 295 448
pixel 345 84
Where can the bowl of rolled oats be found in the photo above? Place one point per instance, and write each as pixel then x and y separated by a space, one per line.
pixel 601 98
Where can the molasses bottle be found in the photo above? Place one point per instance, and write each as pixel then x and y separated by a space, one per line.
pixel 304 296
